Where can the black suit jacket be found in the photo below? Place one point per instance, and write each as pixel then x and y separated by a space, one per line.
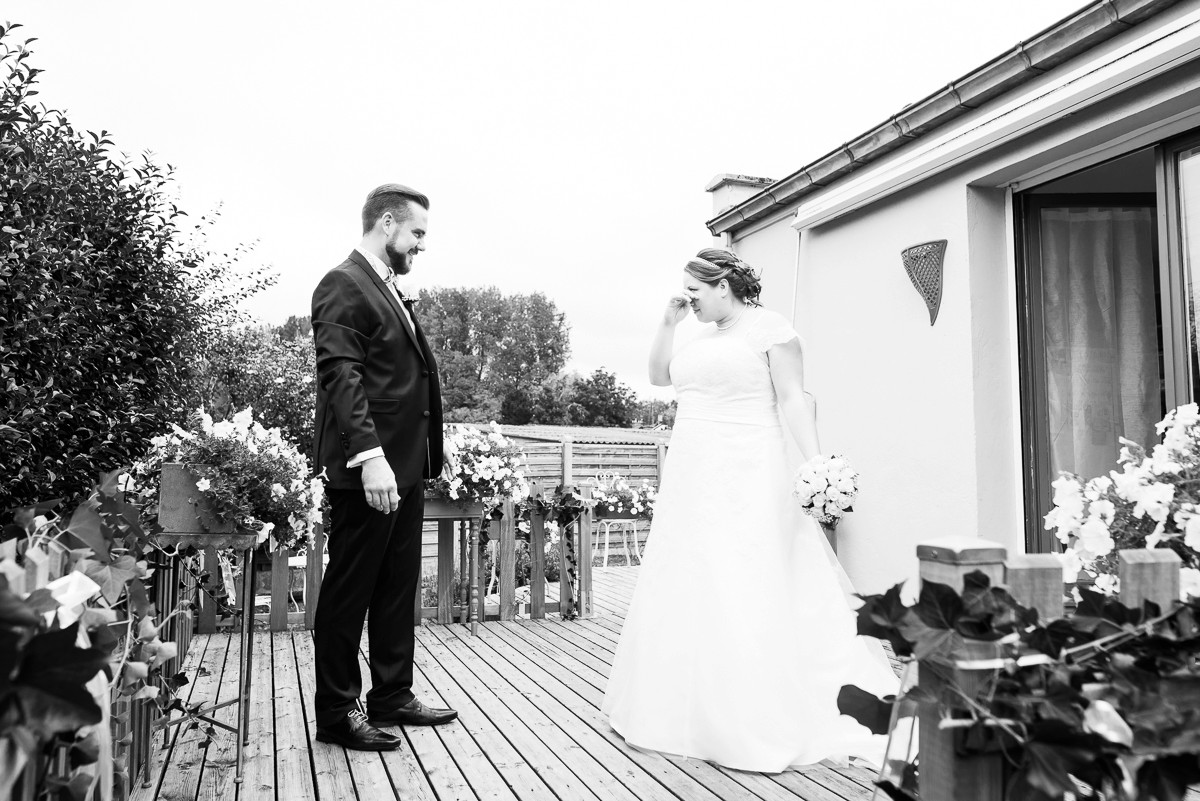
pixel 377 382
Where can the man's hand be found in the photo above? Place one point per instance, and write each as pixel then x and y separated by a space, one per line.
pixel 449 467
pixel 379 484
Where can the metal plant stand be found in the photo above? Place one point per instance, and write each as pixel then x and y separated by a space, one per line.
pixel 245 543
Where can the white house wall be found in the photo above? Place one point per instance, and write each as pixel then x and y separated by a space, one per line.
pixel 930 415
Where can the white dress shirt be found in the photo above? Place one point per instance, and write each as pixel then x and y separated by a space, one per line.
pixel 384 272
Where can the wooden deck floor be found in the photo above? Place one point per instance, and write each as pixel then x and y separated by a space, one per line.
pixel 528 696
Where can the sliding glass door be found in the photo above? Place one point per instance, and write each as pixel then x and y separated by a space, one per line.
pixel 1092 343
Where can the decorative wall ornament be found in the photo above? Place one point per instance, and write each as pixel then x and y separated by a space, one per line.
pixel 923 263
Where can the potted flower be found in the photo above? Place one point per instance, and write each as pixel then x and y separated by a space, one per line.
pixel 483 467
pixel 1152 500
pixel 239 478
pixel 618 499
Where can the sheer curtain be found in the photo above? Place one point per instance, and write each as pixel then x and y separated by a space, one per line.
pixel 1101 334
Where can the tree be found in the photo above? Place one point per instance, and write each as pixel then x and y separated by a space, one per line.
pixel 601 400
pixel 107 305
pixel 651 412
pixel 262 368
pixel 494 350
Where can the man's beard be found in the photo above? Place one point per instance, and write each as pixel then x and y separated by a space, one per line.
pixel 397 259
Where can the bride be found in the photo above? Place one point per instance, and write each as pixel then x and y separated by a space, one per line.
pixel 739 635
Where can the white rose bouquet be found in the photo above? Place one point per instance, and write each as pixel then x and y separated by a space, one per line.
pixel 1152 500
pixel 826 487
pixel 481 465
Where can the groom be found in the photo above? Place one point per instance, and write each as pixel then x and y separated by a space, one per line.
pixel 378 434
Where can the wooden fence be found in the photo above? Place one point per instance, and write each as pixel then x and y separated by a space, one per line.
pixel 569 463
pixel 1035 581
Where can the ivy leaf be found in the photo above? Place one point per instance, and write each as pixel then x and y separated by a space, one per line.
pixel 939 646
pixel 139 601
pixel 14 612
pixel 85 751
pixel 41 601
pixel 112 576
pixel 1056 636
pixel 1045 772
pixel 50 686
pixel 880 617
pixel 87 527
pixel 868 709
pixel 938 606
pixel 1168 778
pixel 894 792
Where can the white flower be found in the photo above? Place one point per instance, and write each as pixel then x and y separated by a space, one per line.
pixel 1071 565
pixel 1189 583
pixel 265 532
pixel 277 491
pixel 1095 537
pixel 203 484
pixel 1154 501
pixel 1108 584
pixel 1191 533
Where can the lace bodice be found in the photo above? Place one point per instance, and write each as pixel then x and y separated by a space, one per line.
pixel 724 376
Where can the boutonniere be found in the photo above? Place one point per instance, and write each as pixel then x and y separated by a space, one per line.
pixel 408 298
pixel 405 295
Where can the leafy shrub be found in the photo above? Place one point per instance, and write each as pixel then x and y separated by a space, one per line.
pixel 106 306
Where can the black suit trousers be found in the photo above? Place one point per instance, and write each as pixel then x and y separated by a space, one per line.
pixel 375 565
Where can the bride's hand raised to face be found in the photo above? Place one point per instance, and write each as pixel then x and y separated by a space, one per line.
pixel 677 309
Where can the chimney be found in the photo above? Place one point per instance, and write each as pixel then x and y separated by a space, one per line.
pixel 729 190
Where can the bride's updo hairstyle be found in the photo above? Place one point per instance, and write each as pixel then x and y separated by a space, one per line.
pixel 712 265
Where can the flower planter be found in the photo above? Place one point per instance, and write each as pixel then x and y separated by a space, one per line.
pixel 186 515
pixel 602 513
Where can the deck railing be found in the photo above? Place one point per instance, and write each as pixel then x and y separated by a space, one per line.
pixel 1034 581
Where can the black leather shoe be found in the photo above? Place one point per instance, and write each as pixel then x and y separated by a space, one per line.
pixel 414 713
pixel 355 733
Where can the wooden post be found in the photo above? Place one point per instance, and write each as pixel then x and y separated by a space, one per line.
pixel 585 559
pixel 314 574
pixel 568 463
pixel 477 599
pixel 1149 575
pixel 506 561
pixel 207 617
pixel 945 776
pixel 1036 580
pixel 537 558
pixel 37 568
pixel 281 587
pixel 662 460
pixel 948 559
pixel 464 538
pixel 445 572
pixel 15 575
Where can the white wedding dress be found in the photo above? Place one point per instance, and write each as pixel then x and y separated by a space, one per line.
pixel 740 633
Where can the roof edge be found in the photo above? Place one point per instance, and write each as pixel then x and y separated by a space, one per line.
pixel 1075 34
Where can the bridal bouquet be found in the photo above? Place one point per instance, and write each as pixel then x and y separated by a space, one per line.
pixel 1151 500
pixel 482 465
pixel 826 487
pixel 251 474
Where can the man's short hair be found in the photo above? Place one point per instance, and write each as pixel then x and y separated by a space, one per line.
pixel 390 197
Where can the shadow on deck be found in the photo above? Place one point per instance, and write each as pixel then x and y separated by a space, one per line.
pixel 529 727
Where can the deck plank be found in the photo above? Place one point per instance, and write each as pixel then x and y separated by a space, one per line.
pixel 293 761
pixel 583 700
pixel 428 744
pixel 331 771
pixel 181 770
pixel 258 784
pixel 220 758
pixel 530 726
pixel 591 774
pixel 533 771
pixel 193 660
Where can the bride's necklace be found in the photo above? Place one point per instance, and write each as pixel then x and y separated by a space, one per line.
pixel 737 320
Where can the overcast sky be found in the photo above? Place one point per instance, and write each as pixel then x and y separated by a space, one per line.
pixel 564 146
